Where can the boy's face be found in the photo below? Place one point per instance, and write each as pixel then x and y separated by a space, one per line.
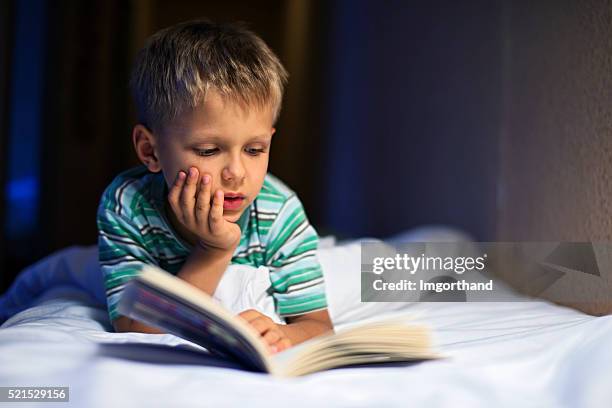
pixel 223 140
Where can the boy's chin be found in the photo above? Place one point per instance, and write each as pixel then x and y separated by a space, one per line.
pixel 233 217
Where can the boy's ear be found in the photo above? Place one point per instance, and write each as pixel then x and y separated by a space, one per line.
pixel 146 148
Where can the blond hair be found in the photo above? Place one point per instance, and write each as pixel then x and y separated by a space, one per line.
pixel 179 64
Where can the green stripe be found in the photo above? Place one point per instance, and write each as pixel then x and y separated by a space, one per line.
pixel 285 309
pixel 309 273
pixel 296 218
pixel 308 246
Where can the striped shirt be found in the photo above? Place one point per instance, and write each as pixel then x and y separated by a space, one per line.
pixel 133 230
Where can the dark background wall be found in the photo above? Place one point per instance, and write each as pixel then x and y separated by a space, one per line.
pixel 414 91
pixel 5 50
pixel 555 135
pixel 556 129
pixel 490 116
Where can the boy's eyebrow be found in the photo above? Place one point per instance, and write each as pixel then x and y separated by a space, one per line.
pixel 217 138
pixel 262 138
pixel 205 138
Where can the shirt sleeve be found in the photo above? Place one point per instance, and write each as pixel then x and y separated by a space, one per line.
pixel 122 253
pixel 296 277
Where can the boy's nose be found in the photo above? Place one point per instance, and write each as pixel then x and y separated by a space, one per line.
pixel 234 171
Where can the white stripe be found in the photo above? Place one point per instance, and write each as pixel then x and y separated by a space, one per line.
pixel 304 285
pixel 261 216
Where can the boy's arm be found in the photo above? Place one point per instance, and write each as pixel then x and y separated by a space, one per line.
pixel 203 269
pixel 291 255
pixel 279 337
pixel 303 327
pixel 297 281
pixel 190 200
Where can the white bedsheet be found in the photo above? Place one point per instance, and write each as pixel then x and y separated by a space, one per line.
pixel 509 354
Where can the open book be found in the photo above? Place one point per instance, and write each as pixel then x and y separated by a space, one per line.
pixel 160 299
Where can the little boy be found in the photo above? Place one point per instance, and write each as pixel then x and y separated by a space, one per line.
pixel 208 96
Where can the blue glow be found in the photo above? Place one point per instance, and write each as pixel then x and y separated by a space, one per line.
pixel 25 117
pixel 22 189
pixel 22 197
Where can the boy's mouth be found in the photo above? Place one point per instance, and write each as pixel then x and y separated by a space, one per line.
pixel 232 201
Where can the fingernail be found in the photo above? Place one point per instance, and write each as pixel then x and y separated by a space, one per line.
pixel 274 349
pixel 192 172
pixel 206 179
pixel 181 175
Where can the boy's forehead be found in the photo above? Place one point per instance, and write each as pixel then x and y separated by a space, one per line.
pixel 214 104
pixel 217 117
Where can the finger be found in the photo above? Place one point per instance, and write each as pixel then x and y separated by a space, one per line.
pixel 272 336
pixel 283 344
pixel 203 200
pixel 249 314
pixel 215 218
pixel 187 199
pixel 262 324
pixel 175 192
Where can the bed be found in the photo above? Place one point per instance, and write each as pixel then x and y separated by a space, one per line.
pixel 523 352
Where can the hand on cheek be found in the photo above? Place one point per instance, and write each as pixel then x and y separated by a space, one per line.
pixel 190 200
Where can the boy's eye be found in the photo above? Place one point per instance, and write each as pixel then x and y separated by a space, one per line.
pixel 253 151
pixel 206 152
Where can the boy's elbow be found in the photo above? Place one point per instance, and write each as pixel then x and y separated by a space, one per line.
pixel 122 324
